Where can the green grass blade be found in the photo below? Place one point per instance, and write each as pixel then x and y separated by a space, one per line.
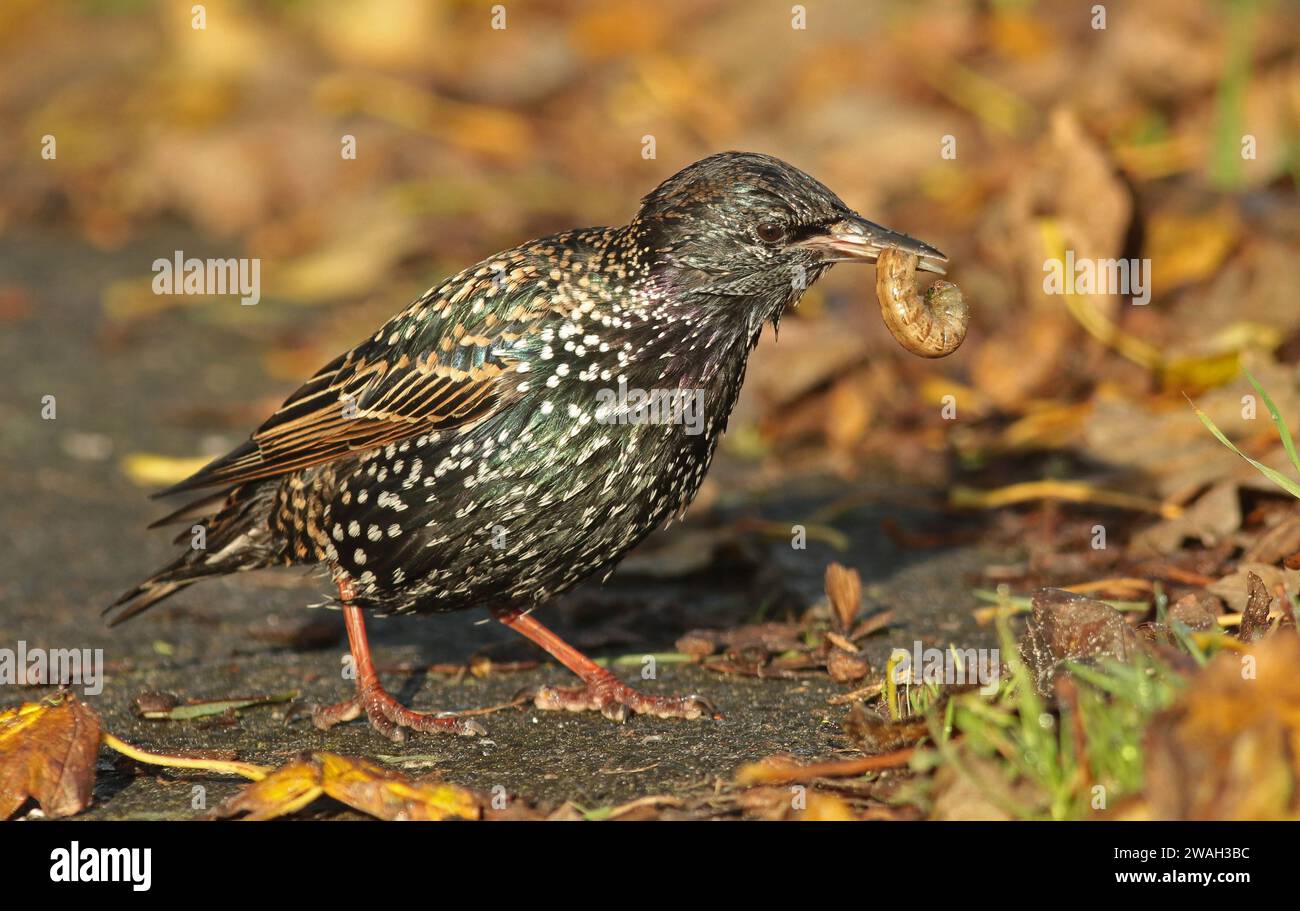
pixel 1282 430
pixel 1281 480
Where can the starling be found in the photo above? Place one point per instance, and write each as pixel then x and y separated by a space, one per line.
pixel 490 445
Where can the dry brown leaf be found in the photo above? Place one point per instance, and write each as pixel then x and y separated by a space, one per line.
pixel 1254 619
pixel 845 666
pixel 1214 516
pixel 1275 544
pixel 1069 627
pixel 784 770
pixel 874 734
pixel 697 644
pixel 1156 440
pixel 1197 611
pixel 770 803
pixel 844 591
pixel 1072 185
pixel 1235 589
pixel 978 790
pixel 47 753
pixel 1230 747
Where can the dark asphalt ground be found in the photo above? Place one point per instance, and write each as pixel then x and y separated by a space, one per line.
pixel 72 535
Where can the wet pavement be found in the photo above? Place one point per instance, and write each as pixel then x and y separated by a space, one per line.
pixel 72 535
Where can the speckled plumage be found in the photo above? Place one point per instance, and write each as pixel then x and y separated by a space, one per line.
pixel 460 457
pixel 539 492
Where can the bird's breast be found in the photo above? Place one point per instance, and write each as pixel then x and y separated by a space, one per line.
pixel 606 429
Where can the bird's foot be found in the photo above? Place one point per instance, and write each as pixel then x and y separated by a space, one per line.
pixel 390 718
pixel 614 699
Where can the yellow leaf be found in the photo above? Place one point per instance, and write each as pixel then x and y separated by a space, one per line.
pixel 150 470
pixel 284 791
pixel 388 794
pixel 1188 248
pixel 359 783
pixel 826 808
pixel 1070 491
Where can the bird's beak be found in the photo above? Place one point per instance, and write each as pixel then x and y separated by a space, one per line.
pixel 854 239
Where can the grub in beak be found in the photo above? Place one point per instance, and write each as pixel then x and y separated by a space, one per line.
pixel 933 326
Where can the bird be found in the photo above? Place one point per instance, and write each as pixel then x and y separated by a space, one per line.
pixel 487 447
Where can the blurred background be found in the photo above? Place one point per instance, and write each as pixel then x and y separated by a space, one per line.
pixel 363 150
pixel 1005 133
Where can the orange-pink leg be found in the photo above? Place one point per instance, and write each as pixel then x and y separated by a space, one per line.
pixel 386 714
pixel 601 691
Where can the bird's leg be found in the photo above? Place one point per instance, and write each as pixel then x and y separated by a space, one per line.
pixel 386 714
pixel 601 691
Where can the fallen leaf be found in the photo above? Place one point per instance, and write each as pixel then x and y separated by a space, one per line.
pixel 359 783
pixel 1229 748
pixel 204 708
pixel 47 754
pixel 155 702
pixel 1197 611
pixel 1070 491
pixel 826 808
pixel 1234 588
pixel 844 591
pixel 848 415
pixel 637 808
pixel 783 770
pixel 1069 627
pixel 845 666
pixel 1188 248
pixel 1213 517
pixel 150 470
pixel 872 733
pixel 697 644
pixel 978 790
pixel 1073 185
pixel 1254 619
pixel 284 791
pixel 1275 544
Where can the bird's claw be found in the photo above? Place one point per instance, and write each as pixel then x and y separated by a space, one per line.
pixel 391 718
pixel 616 700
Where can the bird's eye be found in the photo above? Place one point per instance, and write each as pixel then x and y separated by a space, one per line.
pixel 771 232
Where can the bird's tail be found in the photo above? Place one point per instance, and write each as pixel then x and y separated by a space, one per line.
pixel 235 538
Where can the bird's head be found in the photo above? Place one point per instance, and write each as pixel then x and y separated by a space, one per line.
pixel 749 226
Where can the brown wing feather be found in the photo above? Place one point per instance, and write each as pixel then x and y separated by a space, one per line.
pixel 385 390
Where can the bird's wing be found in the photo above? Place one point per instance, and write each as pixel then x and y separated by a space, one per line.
pixel 441 363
